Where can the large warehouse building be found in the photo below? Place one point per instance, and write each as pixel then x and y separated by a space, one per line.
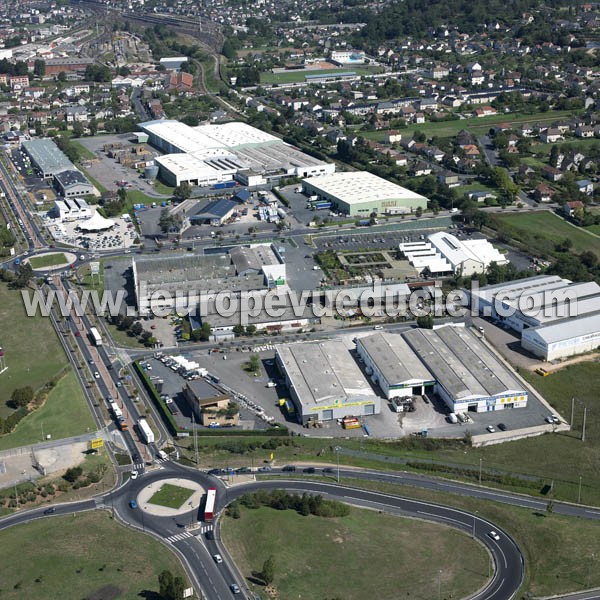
pixel 392 364
pixel 46 158
pixel 469 377
pixel 324 382
pixel 443 253
pixel 555 317
pixel 360 193
pixel 209 154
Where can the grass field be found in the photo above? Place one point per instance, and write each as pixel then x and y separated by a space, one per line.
pixel 546 225
pixel 344 557
pixel 64 414
pixel 81 556
pixel 83 151
pixel 299 76
pixel 171 496
pixel 52 260
pixel 33 353
pixel 477 126
pixel 561 553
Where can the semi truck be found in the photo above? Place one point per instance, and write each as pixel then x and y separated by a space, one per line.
pixel 145 432
pixel 209 507
pixel 96 337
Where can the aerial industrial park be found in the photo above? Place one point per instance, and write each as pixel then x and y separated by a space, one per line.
pixel 286 285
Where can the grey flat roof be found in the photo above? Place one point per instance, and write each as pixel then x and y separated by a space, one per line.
pixel 71 177
pixel 323 371
pixel 394 358
pixel 205 390
pixel 461 363
pixel 566 329
pixel 47 156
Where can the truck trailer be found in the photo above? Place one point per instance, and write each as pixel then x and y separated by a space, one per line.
pixel 145 432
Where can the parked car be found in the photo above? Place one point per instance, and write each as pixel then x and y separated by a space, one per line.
pixel 327 470
pixel 491 429
pixel 502 427
pixel 264 469
pixel 308 470
pixel 289 468
pixel 244 470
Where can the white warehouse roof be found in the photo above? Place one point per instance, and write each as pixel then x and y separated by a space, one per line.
pixel 566 329
pixel 179 135
pixel 358 187
pixel 457 252
pixel 234 135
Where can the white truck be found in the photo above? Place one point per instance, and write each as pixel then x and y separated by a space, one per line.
pixel 145 432
pixel 452 418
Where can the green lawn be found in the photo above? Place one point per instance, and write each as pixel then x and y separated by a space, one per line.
pixel 171 496
pixel 544 225
pixel 83 151
pixel 64 414
pixel 51 260
pixel 344 557
pixel 558 550
pixel 81 556
pixel 477 126
pixel 268 77
pixel 33 353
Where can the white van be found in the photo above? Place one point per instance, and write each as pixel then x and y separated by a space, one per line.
pixel 452 418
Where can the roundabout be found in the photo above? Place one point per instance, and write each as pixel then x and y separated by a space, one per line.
pixel 170 497
pixel 51 261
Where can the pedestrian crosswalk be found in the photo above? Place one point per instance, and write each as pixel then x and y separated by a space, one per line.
pixel 178 537
pixel 139 467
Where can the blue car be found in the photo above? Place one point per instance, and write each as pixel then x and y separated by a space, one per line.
pixel 133 504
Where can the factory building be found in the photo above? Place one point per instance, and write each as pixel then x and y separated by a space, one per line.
pixel 324 382
pixel 468 376
pixel 72 183
pixel 555 317
pixel 391 363
pixel 46 158
pixel 563 338
pixel 444 254
pixel 360 193
pixel 210 154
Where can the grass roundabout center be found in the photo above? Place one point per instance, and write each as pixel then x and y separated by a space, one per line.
pixel 170 497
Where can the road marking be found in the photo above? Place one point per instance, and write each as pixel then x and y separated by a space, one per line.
pixel 178 537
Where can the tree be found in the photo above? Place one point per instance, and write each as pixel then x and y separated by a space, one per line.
pixel 170 588
pixel 182 192
pixel 39 67
pixel 238 330
pixel 419 212
pixel 425 322
pixel 137 328
pixel 228 50
pixel 62 76
pixel 71 475
pixel 167 221
pixel 268 571
pixel 24 275
pixel 21 397
pixel 78 130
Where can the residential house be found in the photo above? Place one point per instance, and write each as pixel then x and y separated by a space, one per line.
pixel 76 114
pixel 584 131
pixel 419 169
pixel 585 186
pixel 543 193
pixel 484 111
pixel 481 196
pixel 448 178
pixel 552 174
pixel 569 208
pixel 392 137
pixel 551 136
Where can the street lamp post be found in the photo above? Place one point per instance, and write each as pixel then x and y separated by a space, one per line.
pixel 480 463
pixel 440 584
pixel 590 570
pixel 337 454
pixel 579 492
pixel 473 535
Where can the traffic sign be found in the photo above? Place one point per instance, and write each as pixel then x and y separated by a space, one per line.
pixel 97 443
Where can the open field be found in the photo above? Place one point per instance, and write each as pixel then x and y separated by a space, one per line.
pixel 33 353
pixel 561 553
pixel 40 262
pixel 74 557
pixel 554 457
pixel 548 227
pixel 299 76
pixel 343 557
pixel 171 496
pixel 83 151
pixel 475 125
pixel 64 414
